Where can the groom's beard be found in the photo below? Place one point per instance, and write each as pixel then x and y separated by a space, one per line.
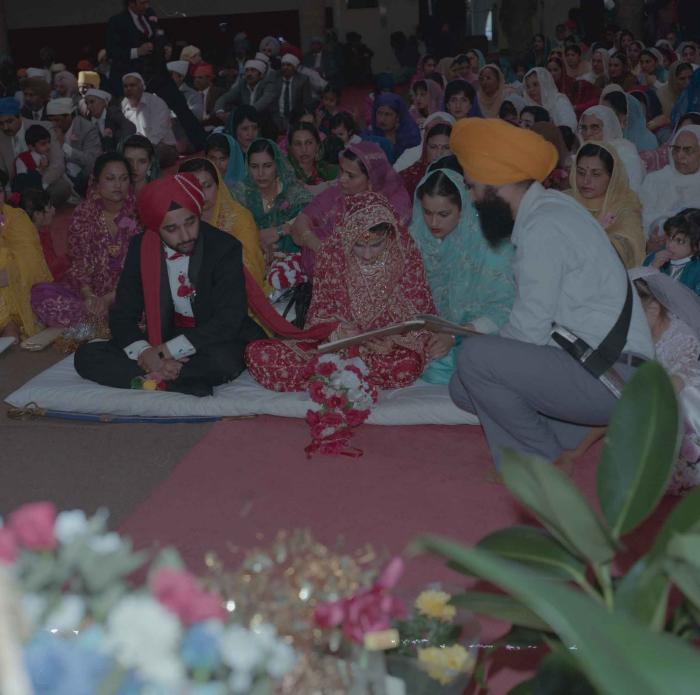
pixel 496 218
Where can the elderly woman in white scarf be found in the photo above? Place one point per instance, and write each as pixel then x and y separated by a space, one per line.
pixel 540 90
pixel 675 187
pixel 601 124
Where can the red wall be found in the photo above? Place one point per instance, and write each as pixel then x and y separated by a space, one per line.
pixel 71 42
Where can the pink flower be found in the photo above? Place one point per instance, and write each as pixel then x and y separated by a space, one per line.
pixel 312 417
pixel 317 392
pixel 32 525
pixel 8 547
pixel 335 402
pixel 326 368
pixel 180 593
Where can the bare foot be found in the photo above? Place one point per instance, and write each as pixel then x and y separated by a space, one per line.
pixel 11 330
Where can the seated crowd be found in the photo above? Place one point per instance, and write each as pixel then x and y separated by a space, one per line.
pixel 383 209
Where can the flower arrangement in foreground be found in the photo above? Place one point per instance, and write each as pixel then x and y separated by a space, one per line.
pixel 342 399
pixel 84 630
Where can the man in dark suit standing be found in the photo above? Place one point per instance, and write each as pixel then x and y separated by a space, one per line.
pixel 135 43
pixel 293 90
pixel 187 278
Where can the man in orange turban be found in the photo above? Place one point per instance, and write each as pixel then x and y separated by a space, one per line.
pixel 531 395
pixel 187 278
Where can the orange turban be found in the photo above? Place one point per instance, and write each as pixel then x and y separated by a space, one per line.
pixel 494 152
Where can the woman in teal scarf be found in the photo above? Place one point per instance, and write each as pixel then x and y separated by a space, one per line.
pixel 225 154
pixel 471 282
pixel 272 193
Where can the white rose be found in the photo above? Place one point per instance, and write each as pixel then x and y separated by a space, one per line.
pixel 70 526
pixel 68 615
pixel 143 635
pixel 240 650
pixel 105 544
pixel 281 661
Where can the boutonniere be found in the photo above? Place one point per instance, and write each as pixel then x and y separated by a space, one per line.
pixel 184 289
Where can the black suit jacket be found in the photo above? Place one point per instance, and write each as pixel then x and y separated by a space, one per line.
pixel 120 126
pixel 122 36
pixel 220 305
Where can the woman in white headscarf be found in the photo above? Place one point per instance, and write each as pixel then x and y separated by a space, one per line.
pixel 541 91
pixel 601 124
pixel 599 74
pixel 676 186
pixel 413 154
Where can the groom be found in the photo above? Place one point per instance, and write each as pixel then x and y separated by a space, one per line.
pixel 187 278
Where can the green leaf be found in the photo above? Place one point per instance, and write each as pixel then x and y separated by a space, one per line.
pixel 558 505
pixel 499 606
pixel 683 565
pixel 612 649
pixel 558 673
pixel 683 517
pixel 520 637
pixel 641 448
pixel 643 593
pixel 525 688
pixel 535 548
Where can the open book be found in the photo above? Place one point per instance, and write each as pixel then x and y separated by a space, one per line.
pixel 422 322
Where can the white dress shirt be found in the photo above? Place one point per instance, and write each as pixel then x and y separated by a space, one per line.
pixel 177 266
pixel 567 272
pixel 18 141
pixel 151 116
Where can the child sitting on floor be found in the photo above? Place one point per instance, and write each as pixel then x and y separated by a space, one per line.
pixel 31 164
pixel 37 204
pixel 680 258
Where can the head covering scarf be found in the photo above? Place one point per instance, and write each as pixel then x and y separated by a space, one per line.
pixel 154 202
pixel 519 102
pixel 321 171
pixel 290 201
pixel 468 278
pixel 407 132
pixel 435 92
pixel 99 94
pixel 670 92
pixel 620 201
pixel 412 174
pixel 68 80
pixel 270 42
pixel 491 105
pixel 548 90
pixel 236 168
pixel 9 106
pixel 397 291
pixel 493 152
pixel 676 297
pixel 636 128
pixel 689 99
pixel 612 130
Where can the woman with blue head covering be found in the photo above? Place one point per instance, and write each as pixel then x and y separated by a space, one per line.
pixel 460 100
pixel 689 100
pixel 391 120
pixel 631 115
pixel 471 282
pixel 225 154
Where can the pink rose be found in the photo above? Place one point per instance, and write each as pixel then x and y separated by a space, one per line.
pixel 312 417
pixel 326 368
pixel 8 547
pixel 180 593
pixel 317 392
pixel 335 402
pixel 32 525
pixel 332 419
pixel 370 611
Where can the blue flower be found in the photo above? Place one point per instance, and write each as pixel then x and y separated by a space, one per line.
pixel 200 648
pixel 59 666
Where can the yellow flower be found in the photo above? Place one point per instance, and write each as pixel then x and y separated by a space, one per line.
pixel 444 665
pixel 149 385
pixel 434 604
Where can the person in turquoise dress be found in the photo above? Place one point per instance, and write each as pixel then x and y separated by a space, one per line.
pixel 471 282
pixel 225 153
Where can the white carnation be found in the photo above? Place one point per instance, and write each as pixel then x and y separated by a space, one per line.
pixel 105 544
pixel 240 650
pixel 71 525
pixel 143 635
pixel 281 660
pixel 68 615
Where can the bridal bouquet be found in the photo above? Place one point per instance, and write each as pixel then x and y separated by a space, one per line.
pixel 342 399
pixel 81 627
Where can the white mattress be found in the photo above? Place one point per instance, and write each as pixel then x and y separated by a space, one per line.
pixel 61 390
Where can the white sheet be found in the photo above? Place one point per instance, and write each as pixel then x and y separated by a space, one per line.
pixel 60 388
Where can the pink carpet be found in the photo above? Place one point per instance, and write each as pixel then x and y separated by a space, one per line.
pixel 247 479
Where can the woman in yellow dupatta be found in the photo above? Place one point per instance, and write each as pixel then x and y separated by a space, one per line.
pixel 22 265
pixel 223 212
pixel 599 182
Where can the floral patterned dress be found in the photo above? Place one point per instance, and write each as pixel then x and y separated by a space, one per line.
pixel 96 262
pixel 363 296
